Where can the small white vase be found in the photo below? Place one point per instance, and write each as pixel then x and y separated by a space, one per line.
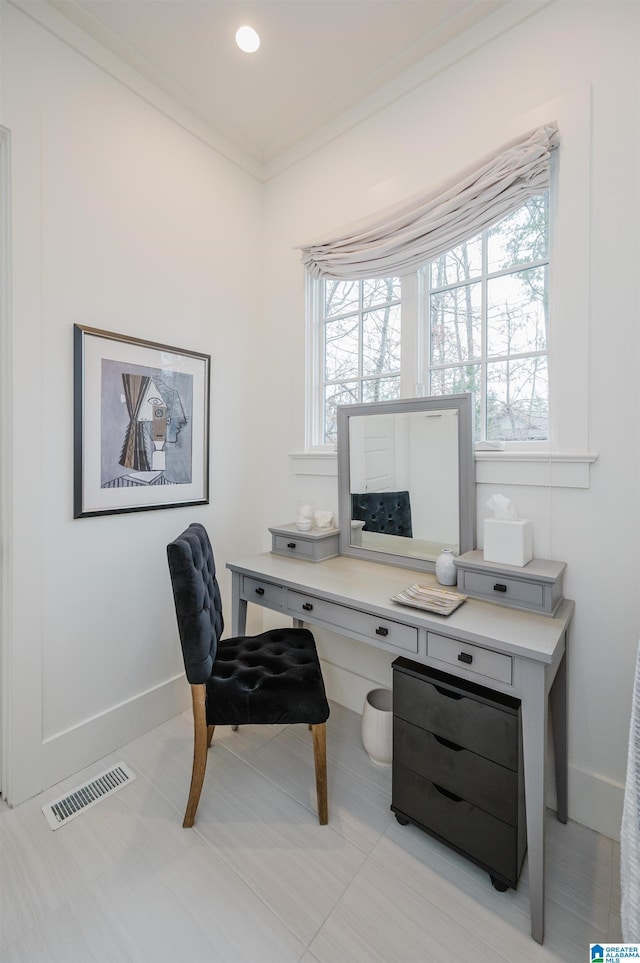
pixel 446 571
pixel 377 726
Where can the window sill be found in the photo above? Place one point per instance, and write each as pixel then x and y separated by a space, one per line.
pixel 538 468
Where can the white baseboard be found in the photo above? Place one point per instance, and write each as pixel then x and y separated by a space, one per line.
pixel 77 747
pixel 595 801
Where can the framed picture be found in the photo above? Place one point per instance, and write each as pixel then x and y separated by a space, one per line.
pixel 141 424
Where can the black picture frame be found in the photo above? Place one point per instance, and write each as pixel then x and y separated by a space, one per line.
pixel 141 424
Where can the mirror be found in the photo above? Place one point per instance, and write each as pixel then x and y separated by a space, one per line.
pixel 406 477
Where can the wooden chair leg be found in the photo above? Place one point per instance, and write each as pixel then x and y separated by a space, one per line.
pixel 319 733
pixel 202 736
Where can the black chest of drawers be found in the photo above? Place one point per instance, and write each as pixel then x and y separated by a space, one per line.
pixel 457 767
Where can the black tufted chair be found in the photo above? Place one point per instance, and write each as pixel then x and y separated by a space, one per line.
pixel 270 678
pixel 387 512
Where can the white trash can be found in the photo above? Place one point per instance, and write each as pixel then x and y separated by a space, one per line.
pixel 377 726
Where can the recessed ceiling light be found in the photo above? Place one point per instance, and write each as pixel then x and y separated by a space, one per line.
pixel 247 39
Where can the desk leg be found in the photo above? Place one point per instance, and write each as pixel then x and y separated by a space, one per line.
pixel 534 729
pixel 238 607
pixel 558 699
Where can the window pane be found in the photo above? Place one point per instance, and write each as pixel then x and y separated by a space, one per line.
pixel 379 291
pixel 334 395
pixel 517 312
pixel 381 389
pixel 460 264
pixel 456 324
pixel 521 237
pixel 341 349
pixel 340 297
pixel 381 340
pixel 517 400
pixel 458 381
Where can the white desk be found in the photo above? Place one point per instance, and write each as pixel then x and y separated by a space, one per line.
pixel 520 653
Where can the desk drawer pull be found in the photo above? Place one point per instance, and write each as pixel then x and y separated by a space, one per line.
pixel 381 630
pixel 465 657
pixel 499 587
pixel 308 607
pixel 449 795
pixel 259 591
pixel 291 544
pixel 448 693
pixel 448 745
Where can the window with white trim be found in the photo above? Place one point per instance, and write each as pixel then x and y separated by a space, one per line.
pixel 474 319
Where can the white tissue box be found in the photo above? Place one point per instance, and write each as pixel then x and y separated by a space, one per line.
pixel 508 542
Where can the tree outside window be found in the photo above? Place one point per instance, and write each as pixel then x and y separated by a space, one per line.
pixel 488 310
pixel 361 325
pixel 486 330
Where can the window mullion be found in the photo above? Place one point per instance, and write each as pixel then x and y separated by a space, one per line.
pixel 412 369
pixel 483 338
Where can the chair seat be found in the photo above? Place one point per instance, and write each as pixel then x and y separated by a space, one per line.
pixel 272 678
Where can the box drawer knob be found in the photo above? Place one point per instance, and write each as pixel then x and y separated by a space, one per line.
pixel 259 591
pixel 291 544
pixel 307 606
pixel 499 587
pixel 465 657
pixel 381 630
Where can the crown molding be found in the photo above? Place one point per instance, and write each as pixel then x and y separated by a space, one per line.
pixel 83 33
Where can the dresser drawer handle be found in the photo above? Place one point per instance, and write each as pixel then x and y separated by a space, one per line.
pixel 448 745
pixel 381 630
pixel 307 606
pixel 447 693
pixel 259 591
pixel 291 544
pixel 449 795
pixel 465 657
pixel 499 587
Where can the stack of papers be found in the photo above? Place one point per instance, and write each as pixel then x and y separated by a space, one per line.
pixel 430 599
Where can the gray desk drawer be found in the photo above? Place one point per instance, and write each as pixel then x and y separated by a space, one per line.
pixel 289 545
pixel 488 730
pixel 504 589
pixel 480 781
pixel 264 593
pixel 353 622
pixel 483 662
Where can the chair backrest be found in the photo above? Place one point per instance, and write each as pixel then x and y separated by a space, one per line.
pixel 197 598
pixel 386 512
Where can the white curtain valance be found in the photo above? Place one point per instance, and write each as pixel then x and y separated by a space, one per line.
pixel 396 241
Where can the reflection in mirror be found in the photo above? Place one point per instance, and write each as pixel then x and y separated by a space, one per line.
pixel 407 484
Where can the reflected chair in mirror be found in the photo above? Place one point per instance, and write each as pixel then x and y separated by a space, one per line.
pixel 386 512
pixel 272 678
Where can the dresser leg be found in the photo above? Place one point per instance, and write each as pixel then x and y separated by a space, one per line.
pixel 558 698
pixel 238 607
pixel 534 730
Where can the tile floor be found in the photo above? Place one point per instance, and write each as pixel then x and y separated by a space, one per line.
pixel 258 880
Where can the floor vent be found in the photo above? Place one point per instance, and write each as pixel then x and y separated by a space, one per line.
pixel 63 810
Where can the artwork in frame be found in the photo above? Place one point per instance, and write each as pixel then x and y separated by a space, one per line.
pixel 141 424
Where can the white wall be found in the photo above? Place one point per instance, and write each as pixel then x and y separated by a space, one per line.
pixel 123 221
pixel 568 52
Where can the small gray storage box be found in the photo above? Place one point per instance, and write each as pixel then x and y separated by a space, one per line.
pixel 314 545
pixel 535 587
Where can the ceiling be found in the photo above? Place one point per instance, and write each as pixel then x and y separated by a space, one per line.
pixel 318 58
